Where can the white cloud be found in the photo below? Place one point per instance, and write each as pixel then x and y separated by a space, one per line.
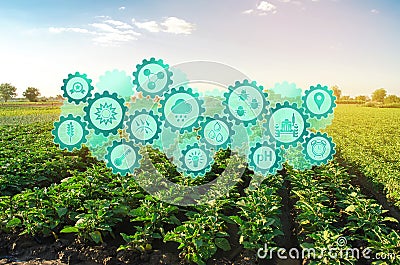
pixel 375 11
pixel 169 25
pixel 122 8
pixel 106 33
pixel 267 7
pixel 118 24
pixel 248 11
pixel 110 32
pixel 61 30
pixel 263 8
pixel 177 26
pixel 151 26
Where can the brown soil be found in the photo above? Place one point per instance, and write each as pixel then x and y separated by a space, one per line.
pixel 27 250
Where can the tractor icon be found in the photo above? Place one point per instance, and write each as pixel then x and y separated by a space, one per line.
pixel 287 127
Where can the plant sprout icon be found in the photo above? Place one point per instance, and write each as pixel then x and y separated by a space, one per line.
pixel 195 157
pixel 70 131
pixel 77 87
pixel 152 78
pixel 215 133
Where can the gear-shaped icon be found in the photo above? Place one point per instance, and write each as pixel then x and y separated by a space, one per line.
pixel 287 124
pixel 285 91
pixel 116 81
pixel 152 77
pixel 77 88
pixel 196 160
pixel 319 148
pixel 216 132
pixel 319 101
pixel 246 102
pixel 123 157
pixel 265 158
pixel 182 109
pixel 143 127
pixel 70 132
pixel 105 113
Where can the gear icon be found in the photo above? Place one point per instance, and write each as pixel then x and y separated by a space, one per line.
pixel 70 132
pixel 284 91
pixel 287 124
pixel 319 101
pixel 116 81
pixel 77 88
pixel 319 148
pixel 265 158
pixel 216 132
pixel 123 157
pixel 105 113
pixel 144 127
pixel 245 102
pixel 152 77
pixel 181 109
pixel 196 160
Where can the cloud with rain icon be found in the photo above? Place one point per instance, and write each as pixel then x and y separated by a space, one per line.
pixel 181 108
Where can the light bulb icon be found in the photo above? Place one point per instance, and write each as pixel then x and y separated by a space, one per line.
pixel 195 158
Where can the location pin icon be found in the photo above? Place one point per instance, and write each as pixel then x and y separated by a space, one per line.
pixel 319 99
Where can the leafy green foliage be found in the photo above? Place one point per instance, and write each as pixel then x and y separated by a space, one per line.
pixel 203 233
pixel 258 218
pixel 368 140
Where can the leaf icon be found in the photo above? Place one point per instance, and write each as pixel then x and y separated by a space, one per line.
pixel 70 131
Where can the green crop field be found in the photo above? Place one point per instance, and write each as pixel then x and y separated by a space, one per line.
pixel 72 209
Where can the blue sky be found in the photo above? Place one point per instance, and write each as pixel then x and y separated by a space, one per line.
pixel 350 43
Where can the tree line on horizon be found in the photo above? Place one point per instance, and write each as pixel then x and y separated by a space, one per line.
pixel 379 96
pixel 8 92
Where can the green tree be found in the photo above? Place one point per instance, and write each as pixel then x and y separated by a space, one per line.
pixel 336 91
pixel 391 99
pixel 7 91
pixel 345 98
pixel 362 98
pixel 379 95
pixel 32 94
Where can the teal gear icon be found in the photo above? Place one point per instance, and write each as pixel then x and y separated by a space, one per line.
pixel 284 91
pixel 152 77
pixel 287 124
pixel 105 113
pixel 265 158
pixel 116 81
pixel 181 109
pixel 70 132
pixel 196 160
pixel 143 127
pixel 245 102
pixel 319 148
pixel 319 101
pixel 216 132
pixel 77 88
pixel 123 157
